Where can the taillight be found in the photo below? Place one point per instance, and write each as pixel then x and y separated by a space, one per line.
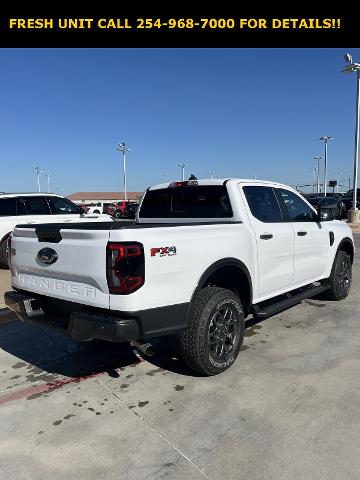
pixel 125 267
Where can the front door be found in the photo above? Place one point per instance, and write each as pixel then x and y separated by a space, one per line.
pixel 311 238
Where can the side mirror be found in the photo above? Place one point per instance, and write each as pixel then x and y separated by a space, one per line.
pixel 325 214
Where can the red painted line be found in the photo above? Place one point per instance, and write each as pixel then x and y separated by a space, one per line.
pixel 50 386
pixel 43 388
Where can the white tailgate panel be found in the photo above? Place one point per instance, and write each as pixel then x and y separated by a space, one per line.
pixel 78 275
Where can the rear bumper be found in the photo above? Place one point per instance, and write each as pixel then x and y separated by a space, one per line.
pixel 81 326
pixel 96 323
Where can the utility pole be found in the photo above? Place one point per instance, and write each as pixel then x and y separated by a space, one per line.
pixel 123 149
pixel 182 165
pixel 38 171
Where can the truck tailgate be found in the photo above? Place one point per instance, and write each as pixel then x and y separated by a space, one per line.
pixel 77 274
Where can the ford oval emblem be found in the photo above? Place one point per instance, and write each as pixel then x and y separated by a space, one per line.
pixel 47 256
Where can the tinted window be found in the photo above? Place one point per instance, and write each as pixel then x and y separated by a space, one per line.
pixel 7 207
pixel 263 204
pixel 297 209
pixel 62 206
pixel 33 206
pixel 187 202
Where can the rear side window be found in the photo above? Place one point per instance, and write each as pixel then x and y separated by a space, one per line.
pixel 61 206
pixel 7 207
pixel 263 204
pixel 187 202
pixel 33 206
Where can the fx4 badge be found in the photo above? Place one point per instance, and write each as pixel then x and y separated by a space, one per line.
pixel 163 251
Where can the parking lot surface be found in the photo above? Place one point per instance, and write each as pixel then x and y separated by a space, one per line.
pixel 289 408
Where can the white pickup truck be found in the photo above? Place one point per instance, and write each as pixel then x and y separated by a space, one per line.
pixel 200 257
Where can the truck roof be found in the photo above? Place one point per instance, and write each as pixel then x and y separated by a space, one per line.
pixel 221 181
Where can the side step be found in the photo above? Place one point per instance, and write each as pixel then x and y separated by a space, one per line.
pixel 291 300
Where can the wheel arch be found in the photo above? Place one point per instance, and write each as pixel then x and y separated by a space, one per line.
pixel 5 237
pixel 228 273
pixel 347 245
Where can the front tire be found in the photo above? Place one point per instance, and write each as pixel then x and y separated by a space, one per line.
pixel 117 214
pixel 216 331
pixel 340 279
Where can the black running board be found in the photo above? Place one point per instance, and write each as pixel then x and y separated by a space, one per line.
pixel 292 299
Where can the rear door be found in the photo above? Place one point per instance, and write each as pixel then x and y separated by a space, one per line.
pixel 311 237
pixel 274 240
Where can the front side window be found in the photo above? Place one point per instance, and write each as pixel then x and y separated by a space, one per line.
pixel 263 204
pixel 61 206
pixel 7 207
pixel 33 206
pixel 297 209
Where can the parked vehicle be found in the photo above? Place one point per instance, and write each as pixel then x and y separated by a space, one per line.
pixel 118 209
pixel 33 208
pixel 335 203
pixel 95 207
pixel 108 208
pixel 201 257
pixel 131 209
pixel 348 199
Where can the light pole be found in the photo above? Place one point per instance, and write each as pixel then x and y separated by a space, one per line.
pixel 314 169
pixel 211 174
pixel 350 68
pixel 38 171
pixel 48 180
pixel 337 180
pixel 182 165
pixel 318 173
pixel 326 139
pixel 123 149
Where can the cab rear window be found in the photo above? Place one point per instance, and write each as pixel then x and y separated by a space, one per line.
pixel 206 201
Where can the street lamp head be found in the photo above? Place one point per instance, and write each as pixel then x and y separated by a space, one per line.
pixel 348 58
pixel 326 138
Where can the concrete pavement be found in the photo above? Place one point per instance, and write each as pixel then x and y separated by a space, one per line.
pixel 287 409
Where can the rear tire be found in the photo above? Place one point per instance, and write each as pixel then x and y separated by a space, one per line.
pixel 4 254
pixel 340 278
pixel 216 331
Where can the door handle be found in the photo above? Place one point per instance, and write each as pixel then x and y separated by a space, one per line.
pixel 302 234
pixel 266 236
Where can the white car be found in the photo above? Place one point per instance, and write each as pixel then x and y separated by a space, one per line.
pixel 200 257
pixel 95 208
pixel 16 208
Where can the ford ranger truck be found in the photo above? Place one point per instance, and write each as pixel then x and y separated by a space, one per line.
pixel 200 257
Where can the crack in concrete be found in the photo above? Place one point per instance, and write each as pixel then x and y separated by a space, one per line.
pixel 174 447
